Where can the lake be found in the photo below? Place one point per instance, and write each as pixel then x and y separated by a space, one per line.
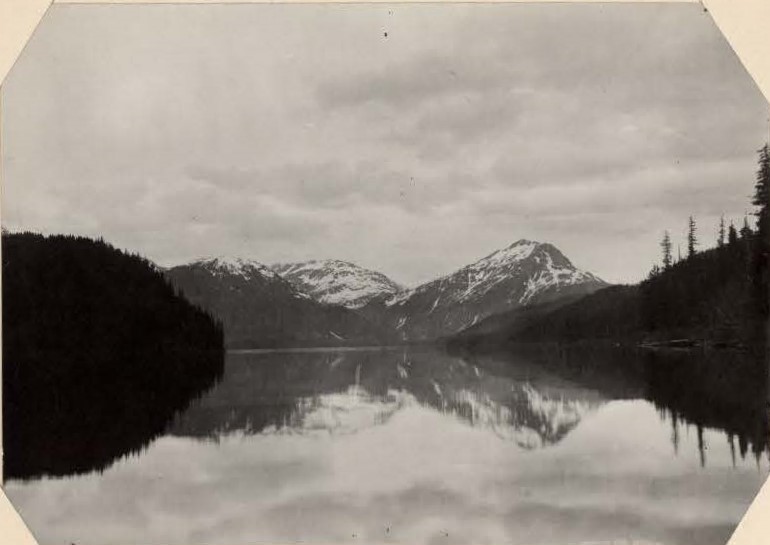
pixel 397 445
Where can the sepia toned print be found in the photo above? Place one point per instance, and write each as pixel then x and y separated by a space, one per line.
pixel 315 273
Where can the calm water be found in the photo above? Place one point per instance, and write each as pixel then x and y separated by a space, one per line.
pixel 424 447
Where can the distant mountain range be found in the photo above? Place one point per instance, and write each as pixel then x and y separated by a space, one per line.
pixel 333 302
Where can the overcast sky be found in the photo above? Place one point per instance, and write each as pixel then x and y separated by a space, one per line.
pixel 409 139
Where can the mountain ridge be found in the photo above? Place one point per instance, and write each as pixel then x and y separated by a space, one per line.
pixel 522 274
pixel 337 282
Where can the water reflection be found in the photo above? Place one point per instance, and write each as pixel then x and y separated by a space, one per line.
pixel 719 389
pixel 533 397
pixel 546 445
pixel 347 392
pixel 84 420
pixel 722 390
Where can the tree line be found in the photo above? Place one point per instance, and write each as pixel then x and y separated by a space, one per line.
pixel 719 293
pixel 725 235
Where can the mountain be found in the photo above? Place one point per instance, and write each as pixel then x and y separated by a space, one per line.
pixel 260 309
pixel 526 273
pixel 337 282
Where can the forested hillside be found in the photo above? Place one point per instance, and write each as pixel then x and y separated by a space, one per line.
pixel 610 313
pixel 96 343
pixel 710 295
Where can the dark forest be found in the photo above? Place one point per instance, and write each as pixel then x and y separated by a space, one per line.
pixel 99 351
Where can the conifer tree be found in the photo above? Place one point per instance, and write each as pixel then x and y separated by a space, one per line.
pixel 746 231
pixel 721 234
pixel 732 234
pixel 761 197
pixel 665 245
pixel 692 240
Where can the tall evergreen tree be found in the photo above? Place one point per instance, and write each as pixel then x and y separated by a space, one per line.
pixel 746 231
pixel 721 234
pixel 665 245
pixel 692 240
pixel 732 234
pixel 761 197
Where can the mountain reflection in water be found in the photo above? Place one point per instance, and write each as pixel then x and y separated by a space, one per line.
pixel 350 391
pixel 545 445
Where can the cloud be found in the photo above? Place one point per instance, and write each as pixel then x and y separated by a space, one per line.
pixel 298 132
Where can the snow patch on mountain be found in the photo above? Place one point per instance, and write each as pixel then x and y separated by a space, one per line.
pixel 517 251
pixel 235 266
pixel 495 268
pixel 477 279
pixel 337 282
pixel 554 276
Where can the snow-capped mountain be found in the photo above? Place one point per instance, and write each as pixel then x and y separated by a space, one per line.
pixel 259 308
pixel 235 266
pixel 524 273
pixel 337 282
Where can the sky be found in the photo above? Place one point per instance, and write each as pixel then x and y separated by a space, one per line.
pixel 411 139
